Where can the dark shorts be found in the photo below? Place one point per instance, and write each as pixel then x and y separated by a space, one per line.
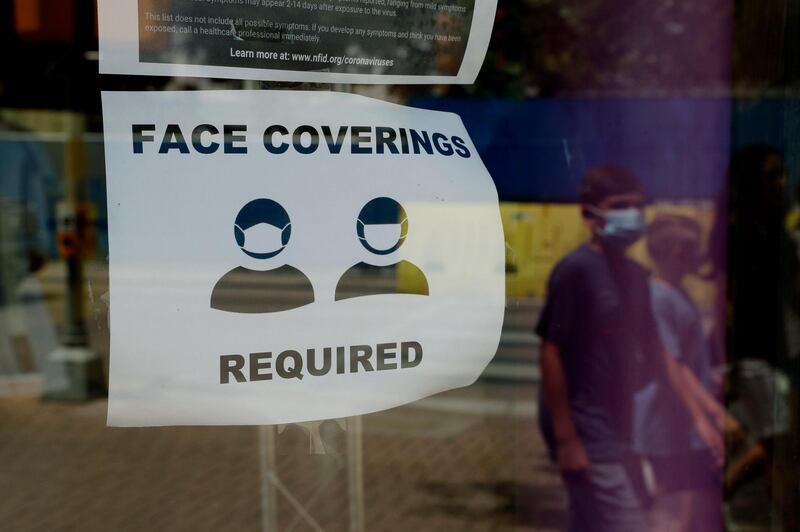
pixel 694 470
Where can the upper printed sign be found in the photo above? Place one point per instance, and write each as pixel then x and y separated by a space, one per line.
pixel 327 41
pixel 281 256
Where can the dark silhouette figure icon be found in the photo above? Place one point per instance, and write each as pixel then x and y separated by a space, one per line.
pixel 382 227
pixel 262 231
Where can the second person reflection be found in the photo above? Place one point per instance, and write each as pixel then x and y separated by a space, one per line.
pixel 688 482
pixel 382 227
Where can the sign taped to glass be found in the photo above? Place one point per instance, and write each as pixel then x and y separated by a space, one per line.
pixel 331 41
pixel 304 255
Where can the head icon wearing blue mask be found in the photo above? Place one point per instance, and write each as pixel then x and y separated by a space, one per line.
pixel 382 226
pixel 262 229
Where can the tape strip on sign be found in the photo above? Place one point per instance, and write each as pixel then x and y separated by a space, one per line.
pixel 336 41
pixel 280 257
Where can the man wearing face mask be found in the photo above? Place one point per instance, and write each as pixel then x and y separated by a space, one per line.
pixel 599 345
pixel 262 231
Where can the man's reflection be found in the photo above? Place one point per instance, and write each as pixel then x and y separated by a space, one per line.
pixel 600 343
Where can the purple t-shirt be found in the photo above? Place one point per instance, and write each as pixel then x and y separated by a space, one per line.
pixel 598 313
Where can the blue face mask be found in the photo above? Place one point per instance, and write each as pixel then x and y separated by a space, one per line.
pixel 262 240
pixel 621 227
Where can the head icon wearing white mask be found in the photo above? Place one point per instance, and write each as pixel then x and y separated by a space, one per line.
pixel 382 226
pixel 262 229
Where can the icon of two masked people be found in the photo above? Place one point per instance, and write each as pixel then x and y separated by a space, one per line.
pixel 629 409
pixel 263 230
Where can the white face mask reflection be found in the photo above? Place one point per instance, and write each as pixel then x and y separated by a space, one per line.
pixel 262 238
pixel 383 236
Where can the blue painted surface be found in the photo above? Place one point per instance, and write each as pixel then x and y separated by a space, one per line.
pixel 537 150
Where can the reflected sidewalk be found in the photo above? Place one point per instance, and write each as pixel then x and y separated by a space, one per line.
pixel 465 460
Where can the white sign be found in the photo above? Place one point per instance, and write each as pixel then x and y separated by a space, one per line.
pixel 281 257
pixel 329 41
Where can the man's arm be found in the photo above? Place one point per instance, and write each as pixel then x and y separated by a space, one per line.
pixel 712 408
pixel 685 388
pixel 571 455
